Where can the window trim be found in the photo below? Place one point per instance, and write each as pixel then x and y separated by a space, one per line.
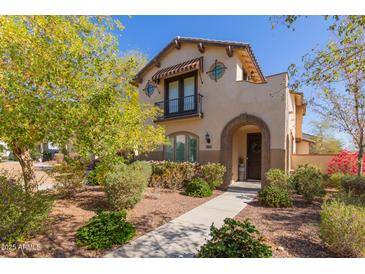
pixel 186 152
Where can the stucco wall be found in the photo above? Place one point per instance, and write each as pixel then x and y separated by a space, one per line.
pixel 302 147
pixel 320 160
pixel 225 99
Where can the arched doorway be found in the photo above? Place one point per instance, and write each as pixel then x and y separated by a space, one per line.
pixel 227 144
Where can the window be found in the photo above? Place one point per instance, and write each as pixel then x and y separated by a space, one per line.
pixel 149 89
pixel 181 93
pixel 182 148
pixel 216 70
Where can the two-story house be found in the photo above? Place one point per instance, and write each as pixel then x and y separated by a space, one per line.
pixel 218 106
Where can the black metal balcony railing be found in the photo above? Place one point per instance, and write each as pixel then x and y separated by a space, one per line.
pixel 182 106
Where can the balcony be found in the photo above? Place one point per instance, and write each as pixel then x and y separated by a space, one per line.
pixel 181 108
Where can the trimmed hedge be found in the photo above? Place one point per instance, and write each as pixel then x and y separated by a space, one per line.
pixel 125 184
pixel 213 174
pixel 198 187
pixel 307 180
pixel 277 177
pixel 176 175
pixel 274 196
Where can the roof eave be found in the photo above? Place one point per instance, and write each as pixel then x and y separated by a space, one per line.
pixel 205 41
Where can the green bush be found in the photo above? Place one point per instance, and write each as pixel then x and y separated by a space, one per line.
pixel 22 214
pixel 354 184
pixel 105 230
pixel 277 177
pixel 274 196
pixel 97 175
pixel 172 175
pixel 307 180
pixel 350 199
pixel 198 187
pixel 175 175
pixel 235 240
pixel 125 184
pixel 342 228
pixel 213 174
pixel 334 180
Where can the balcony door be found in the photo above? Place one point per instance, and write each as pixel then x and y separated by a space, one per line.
pixel 181 93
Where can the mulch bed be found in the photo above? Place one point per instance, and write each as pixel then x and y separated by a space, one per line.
pixel 58 239
pixel 291 232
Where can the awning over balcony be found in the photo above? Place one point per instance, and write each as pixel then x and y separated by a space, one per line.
pixel 186 66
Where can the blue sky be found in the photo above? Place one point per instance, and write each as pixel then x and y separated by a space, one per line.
pixel 275 49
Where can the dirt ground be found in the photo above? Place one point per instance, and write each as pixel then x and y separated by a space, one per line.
pixel 291 232
pixel 13 169
pixel 58 239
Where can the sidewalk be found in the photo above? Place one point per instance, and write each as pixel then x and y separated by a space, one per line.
pixel 183 236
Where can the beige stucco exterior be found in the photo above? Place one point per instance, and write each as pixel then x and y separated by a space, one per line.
pixel 320 160
pixel 303 147
pixel 227 98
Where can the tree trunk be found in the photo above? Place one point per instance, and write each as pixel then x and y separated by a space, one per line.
pixel 26 163
pixel 360 155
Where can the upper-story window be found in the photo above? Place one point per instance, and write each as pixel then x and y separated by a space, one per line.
pixel 181 93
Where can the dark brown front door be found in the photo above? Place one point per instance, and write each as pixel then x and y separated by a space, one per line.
pixel 254 156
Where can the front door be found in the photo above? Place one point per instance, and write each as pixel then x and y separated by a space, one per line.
pixel 254 156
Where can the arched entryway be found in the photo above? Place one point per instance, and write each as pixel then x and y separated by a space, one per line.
pixel 227 144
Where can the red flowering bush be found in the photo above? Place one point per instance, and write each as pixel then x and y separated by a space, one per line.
pixel 345 162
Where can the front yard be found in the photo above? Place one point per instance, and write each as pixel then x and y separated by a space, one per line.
pixel 291 232
pixel 58 239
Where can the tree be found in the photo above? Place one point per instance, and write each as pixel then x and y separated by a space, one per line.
pixel 324 140
pixel 62 79
pixel 337 71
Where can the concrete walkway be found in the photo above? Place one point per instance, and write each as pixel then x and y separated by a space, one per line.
pixel 182 237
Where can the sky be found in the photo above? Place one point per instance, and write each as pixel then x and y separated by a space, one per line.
pixel 275 49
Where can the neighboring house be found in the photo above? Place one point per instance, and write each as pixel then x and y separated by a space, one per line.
pixel 217 106
pixel 305 145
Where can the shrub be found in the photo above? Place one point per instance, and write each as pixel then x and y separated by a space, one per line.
pixel 125 184
pixel 213 174
pixel 354 184
pixel 334 180
pixel 175 175
pixel 172 175
pixel 307 180
pixel 97 175
pixel 22 214
pixel 235 240
pixel 274 196
pixel 350 199
pixel 277 177
pixel 70 177
pixel 345 162
pixel 104 230
pixel 342 228
pixel 198 187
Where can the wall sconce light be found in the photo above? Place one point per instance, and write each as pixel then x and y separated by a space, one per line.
pixel 207 138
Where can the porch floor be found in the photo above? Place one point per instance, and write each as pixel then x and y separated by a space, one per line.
pixel 250 186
